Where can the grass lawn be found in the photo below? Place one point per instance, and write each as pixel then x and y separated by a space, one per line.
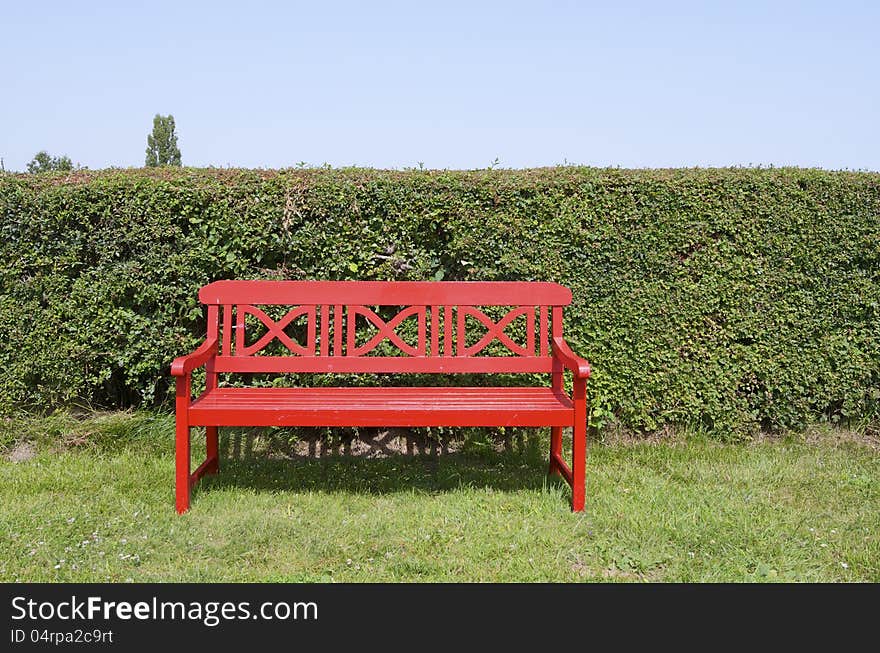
pixel 101 507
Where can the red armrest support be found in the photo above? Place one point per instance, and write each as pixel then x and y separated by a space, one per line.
pixel 186 364
pixel 569 359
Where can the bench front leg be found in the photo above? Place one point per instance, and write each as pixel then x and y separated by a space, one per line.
pixel 182 444
pixel 555 450
pixel 579 446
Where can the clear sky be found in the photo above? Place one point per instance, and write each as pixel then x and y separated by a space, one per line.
pixel 447 84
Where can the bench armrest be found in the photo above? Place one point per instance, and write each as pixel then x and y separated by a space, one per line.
pixel 569 359
pixel 186 364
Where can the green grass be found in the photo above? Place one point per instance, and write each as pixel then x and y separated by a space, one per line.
pixel 100 507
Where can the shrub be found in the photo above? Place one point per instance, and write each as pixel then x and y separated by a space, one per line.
pixel 728 298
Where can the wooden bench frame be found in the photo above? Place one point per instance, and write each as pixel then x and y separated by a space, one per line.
pixel 331 310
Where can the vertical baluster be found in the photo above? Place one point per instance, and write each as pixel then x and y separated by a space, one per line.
pixel 422 345
pixel 556 374
pixel 239 329
pixel 213 327
pixel 312 317
pixel 325 330
pixel 227 330
pixel 543 335
pixel 557 321
pixel 447 331
pixel 530 331
pixel 351 332
pixel 459 335
pixel 213 321
pixel 337 330
pixel 435 331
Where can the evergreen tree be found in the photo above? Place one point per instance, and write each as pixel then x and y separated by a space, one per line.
pixel 162 147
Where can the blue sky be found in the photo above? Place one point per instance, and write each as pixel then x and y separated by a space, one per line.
pixel 445 84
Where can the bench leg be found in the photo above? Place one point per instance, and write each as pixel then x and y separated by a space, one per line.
pixel 213 450
pixel 578 467
pixel 555 449
pixel 182 475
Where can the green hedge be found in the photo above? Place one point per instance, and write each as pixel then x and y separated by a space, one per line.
pixel 725 298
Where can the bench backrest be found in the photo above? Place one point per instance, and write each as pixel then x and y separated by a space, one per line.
pixel 449 332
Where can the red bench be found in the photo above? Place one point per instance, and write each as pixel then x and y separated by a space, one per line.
pixel 328 314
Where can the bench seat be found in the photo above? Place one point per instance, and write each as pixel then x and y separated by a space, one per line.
pixel 385 406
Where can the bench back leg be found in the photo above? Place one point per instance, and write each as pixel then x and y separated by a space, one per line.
pixel 182 456
pixel 212 449
pixel 555 450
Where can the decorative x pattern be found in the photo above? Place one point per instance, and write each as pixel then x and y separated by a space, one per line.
pixel 386 330
pixel 275 330
pixel 496 330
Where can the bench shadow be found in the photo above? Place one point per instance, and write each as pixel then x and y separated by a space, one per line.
pixel 388 462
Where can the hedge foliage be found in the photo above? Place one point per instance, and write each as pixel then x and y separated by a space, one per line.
pixel 728 298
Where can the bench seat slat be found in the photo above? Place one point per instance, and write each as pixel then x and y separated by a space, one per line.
pixel 385 406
